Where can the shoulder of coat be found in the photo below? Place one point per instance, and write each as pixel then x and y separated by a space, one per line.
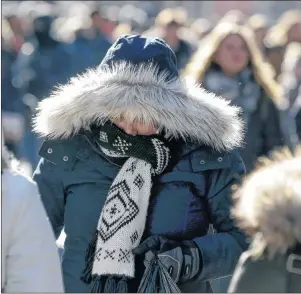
pixel 62 152
pixel 204 157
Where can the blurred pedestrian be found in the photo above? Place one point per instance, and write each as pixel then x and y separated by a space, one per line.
pixel 268 209
pixel 231 65
pixel 169 23
pixel 90 44
pixel 291 84
pixel 39 67
pixel 123 142
pixel 30 260
pixel 12 107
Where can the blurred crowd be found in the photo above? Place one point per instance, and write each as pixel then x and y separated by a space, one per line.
pixel 247 59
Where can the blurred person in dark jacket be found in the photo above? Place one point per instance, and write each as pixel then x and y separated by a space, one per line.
pixel 169 22
pixel 104 22
pixel 291 85
pixel 230 64
pixel 40 66
pixel 268 209
pixel 90 44
pixel 45 60
pixel 12 106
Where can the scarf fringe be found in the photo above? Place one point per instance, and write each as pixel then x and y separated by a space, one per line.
pixel 110 285
pixel 97 284
pixel 122 286
pixel 87 272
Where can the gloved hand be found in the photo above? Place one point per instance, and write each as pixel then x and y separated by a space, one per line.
pixel 182 259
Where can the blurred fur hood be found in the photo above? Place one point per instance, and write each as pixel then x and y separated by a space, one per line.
pixel 201 61
pixel 142 94
pixel 268 204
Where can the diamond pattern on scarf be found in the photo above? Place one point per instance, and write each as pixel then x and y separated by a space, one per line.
pixel 119 211
pixel 139 182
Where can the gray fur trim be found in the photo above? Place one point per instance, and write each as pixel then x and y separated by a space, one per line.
pixel 139 93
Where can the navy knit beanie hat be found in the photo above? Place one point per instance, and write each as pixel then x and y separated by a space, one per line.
pixel 139 49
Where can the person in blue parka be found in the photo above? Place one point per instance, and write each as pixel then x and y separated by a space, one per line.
pixel 137 164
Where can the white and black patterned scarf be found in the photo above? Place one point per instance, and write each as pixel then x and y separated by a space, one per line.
pixel 109 259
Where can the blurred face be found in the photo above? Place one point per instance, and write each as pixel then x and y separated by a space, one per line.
pixel 171 31
pixel 134 129
pixel 15 24
pixel 108 27
pixel 232 55
pixel 97 21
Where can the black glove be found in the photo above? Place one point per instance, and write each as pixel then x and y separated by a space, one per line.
pixel 181 259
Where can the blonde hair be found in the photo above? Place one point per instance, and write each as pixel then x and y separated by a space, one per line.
pixel 287 21
pixel 291 56
pixel 202 59
pixel 268 204
pixel 278 33
pixel 257 22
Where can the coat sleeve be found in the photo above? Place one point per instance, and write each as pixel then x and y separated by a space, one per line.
pixel 220 251
pixel 47 177
pixel 32 260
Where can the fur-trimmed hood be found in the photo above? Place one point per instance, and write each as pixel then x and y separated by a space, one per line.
pixel 140 93
pixel 268 204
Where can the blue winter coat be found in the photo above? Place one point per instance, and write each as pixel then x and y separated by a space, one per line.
pixel 74 178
